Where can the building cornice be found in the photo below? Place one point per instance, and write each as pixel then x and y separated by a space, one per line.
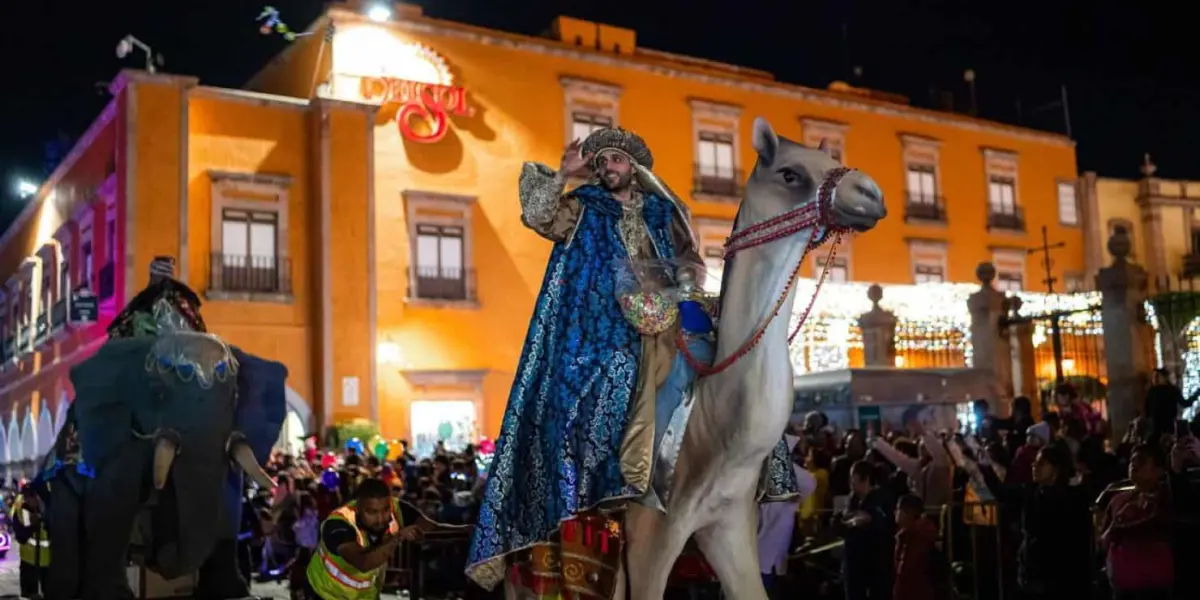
pixel 255 98
pixel 450 29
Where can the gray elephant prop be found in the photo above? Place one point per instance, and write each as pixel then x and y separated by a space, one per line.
pixel 150 465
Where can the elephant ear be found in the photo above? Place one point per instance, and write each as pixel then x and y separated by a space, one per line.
pixel 262 402
pixel 111 391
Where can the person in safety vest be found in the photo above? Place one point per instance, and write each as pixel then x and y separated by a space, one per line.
pixel 30 531
pixel 358 540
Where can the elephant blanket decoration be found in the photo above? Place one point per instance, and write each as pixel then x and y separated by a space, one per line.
pixel 149 466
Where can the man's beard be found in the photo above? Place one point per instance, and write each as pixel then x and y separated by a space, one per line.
pixel 620 184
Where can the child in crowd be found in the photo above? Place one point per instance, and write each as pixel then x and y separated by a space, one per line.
pixel 1137 535
pixel 921 570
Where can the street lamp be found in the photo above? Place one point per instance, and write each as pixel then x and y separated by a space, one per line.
pixel 26 188
pixel 379 13
pixel 969 77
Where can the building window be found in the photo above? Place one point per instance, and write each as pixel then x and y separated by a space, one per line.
pixel 110 241
pixel 715 155
pixel 714 265
pixel 928 259
pixel 837 272
pixel 1002 196
pixel 1008 281
pixel 715 174
pixel 928 273
pixel 89 266
pixel 710 237
pixel 589 105
pixel 1068 209
pixel 440 265
pixel 248 261
pixel 1010 269
pixel 922 184
pixel 441 274
pixel 249 249
pixel 830 132
pixel 584 124
pixel 1004 211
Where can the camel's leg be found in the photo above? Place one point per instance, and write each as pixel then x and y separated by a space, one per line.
pixel 619 590
pixel 655 542
pixel 730 546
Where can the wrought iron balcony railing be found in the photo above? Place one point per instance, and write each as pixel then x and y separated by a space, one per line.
pixel 714 181
pixel 1012 219
pixel 254 274
pixel 921 207
pixel 434 283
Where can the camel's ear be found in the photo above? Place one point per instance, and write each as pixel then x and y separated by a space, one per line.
pixel 766 143
pixel 824 146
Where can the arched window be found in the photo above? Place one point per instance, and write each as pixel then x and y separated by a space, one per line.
pixel 29 442
pixel 15 453
pixel 45 430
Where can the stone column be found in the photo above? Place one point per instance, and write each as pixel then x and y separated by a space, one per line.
pixel 1024 362
pixel 990 346
pixel 1128 338
pixel 878 332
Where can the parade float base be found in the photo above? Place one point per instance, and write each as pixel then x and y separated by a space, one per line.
pixel 148 585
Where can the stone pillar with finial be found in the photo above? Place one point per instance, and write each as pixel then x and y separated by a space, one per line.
pixel 1024 360
pixel 1151 215
pixel 990 347
pixel 878 327
pixel 1128 338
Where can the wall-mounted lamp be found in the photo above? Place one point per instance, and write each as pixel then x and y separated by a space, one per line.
pixel 388 352
pixel 379 13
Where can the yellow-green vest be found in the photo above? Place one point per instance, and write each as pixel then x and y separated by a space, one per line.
pixel 333 578
pixel 36 551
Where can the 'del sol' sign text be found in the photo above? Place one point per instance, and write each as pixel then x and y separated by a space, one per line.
pixel 432 104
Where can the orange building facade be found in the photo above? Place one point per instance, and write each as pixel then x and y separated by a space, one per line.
pixel 355 216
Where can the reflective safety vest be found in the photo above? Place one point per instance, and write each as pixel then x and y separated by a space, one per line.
pixel 332 578
pixel 36 550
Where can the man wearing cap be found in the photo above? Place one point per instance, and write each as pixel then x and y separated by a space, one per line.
pixel 567 442
pixel 138 316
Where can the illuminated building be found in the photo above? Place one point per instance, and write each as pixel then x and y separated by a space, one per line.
pixel 355 215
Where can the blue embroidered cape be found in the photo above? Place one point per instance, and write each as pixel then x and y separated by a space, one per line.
pixel 559 447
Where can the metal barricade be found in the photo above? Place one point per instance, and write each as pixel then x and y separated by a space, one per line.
pixel 432 565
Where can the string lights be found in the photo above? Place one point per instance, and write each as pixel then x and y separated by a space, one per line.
pixel 931 318
pixel 1190 381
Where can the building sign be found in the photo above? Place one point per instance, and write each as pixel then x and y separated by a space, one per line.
pixel 417 82
pixel 83 308
pixel 423 102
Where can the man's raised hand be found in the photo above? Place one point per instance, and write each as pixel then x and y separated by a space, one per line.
pixel 572 159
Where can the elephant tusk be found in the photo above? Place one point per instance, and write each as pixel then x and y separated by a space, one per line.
pixel 164 455
pixel 244 457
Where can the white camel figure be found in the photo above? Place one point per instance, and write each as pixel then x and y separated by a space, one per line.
pixel 740 412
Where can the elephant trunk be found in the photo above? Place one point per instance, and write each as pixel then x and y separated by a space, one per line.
pixel 164 454
pixel 241 453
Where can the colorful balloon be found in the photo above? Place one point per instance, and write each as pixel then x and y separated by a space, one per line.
pixel 356 445
pixel 382 449
pixel 328 461
pixel 330 479
pixel 487 446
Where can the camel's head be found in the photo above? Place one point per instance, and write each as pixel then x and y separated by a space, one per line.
pixel 789 175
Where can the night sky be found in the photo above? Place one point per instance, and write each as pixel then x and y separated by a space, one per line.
pixel 1130 72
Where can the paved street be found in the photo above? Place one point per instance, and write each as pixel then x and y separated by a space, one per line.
pixel 10 585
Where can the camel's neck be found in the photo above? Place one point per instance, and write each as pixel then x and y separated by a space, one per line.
pixel 754 281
